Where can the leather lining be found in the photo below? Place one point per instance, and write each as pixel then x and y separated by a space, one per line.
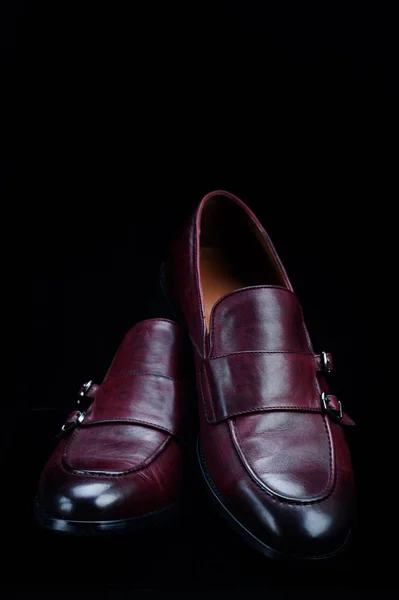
pixel 233 252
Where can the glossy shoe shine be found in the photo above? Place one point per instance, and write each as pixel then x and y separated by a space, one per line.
pixel 272 445
pixel 118 465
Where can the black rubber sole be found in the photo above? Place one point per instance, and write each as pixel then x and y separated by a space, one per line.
pixel 100 528
pixel 244 532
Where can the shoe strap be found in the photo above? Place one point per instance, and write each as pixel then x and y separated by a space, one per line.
pixel 247 382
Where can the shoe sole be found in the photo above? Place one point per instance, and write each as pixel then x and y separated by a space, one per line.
pixel 98 528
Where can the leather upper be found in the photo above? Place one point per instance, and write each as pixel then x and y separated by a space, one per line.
pixel 276 455
pixel 123 460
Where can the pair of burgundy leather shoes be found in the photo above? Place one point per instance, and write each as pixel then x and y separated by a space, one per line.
pixel 271 447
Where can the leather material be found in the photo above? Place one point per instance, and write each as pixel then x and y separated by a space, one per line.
pixel 91 392
pixel 334 406
pixel 152 346
pixel 264 318
pixel 124 460
pixel 139 398
pixel 283 471
pixel 245 382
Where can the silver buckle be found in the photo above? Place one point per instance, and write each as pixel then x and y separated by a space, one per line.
pixel 337 414
pixel 79 418
pixel 84 389
pixel 74 423
pixel 326 362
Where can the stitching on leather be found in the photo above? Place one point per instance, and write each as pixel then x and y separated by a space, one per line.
pixel 225 503
pixel 331 469
pixel 239 353
pixel 267 408
pixel 271 408
pixel 256 289
pixel 331 472
pixel 81 472
pixel 129 373
pixel 254 478
pixel 126 420
pixel 202 396
pixel 194 235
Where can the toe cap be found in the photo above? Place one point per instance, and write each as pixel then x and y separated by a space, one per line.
pixel 313 529
pixel 88 496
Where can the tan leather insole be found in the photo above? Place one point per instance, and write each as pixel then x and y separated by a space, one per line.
pixel 217 278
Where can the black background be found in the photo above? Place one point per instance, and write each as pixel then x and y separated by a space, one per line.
pixel 128 113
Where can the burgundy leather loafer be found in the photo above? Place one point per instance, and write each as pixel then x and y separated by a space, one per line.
pixel 272 444
pixel 118 465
